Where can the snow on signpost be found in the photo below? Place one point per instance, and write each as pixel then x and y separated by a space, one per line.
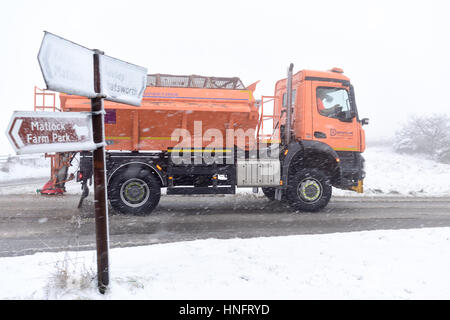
pixel 73 69
pixel 66 66
pixel 122 81
pixel 40 132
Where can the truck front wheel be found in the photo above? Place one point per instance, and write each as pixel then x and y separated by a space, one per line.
pixel 309 190
pixel 134 191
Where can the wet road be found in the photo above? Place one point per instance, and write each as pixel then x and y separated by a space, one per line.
pixel 34 223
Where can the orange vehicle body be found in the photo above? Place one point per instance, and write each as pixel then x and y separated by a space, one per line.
pixel 165 109
pixel 192 118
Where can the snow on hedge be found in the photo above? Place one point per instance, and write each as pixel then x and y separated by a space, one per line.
pixel 391 173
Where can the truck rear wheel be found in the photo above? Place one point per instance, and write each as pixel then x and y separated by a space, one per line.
pixel 309 190
pixel 134 191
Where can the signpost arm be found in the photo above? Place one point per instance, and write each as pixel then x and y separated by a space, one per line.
pixel 100 192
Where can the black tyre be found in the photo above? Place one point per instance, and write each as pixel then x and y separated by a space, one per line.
pixel 269 193
pixel 134 190
pixel 309 190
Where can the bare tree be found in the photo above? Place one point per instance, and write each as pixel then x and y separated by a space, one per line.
pixel 428 135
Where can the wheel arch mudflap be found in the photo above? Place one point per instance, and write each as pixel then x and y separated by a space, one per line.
pixel 306 148
pixel 138 163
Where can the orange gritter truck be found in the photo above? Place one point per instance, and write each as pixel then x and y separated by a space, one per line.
pixel 206 135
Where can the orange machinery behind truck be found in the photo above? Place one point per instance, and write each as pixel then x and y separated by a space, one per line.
pixel 206 135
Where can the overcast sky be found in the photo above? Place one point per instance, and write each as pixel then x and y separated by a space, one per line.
pixel 396 53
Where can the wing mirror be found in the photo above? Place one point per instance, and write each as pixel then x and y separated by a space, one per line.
pixel 364 121
pixel 345 116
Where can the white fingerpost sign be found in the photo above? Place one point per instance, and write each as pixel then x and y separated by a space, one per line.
pixel 121 81
pixel 66 66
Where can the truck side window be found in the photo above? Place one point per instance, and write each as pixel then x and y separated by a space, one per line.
pixel 294 94
pixel 333 103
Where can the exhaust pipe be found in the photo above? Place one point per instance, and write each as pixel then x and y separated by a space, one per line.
pixel 287 133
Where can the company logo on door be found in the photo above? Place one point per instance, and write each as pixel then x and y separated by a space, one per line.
pixel 334 132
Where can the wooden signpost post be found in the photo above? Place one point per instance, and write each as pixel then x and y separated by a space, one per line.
pixel 73 69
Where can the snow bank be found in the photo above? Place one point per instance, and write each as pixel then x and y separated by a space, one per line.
pixel 390 173
pixel 401 264
pixel 25 174
pixel 18 171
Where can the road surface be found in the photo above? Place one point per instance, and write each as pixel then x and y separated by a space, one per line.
pixel 34 223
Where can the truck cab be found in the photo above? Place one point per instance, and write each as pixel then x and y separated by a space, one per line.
pixel 325 131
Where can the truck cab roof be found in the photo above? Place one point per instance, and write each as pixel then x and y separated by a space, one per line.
pixel 335 75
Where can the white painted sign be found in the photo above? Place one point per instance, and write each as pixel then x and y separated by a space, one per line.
pixel 67 67
pixel 122 81
pixel 41 132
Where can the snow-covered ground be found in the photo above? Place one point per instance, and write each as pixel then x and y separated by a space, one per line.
pixel 387 173
pixel 390 173
pixel 402 264
pixel 36 167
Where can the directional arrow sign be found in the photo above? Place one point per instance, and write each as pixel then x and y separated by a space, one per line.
pixel 40 132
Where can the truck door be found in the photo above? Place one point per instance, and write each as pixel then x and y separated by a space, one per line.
pixel 334 118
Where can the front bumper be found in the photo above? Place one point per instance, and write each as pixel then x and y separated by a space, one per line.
pixel 352 171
